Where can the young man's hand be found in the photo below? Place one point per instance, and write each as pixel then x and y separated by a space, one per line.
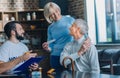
pixel 28 55
pixel 34 66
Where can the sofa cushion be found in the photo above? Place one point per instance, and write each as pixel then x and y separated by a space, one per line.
pixel 108 57
pixel 111 54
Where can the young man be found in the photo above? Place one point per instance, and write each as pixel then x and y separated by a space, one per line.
pixel 85 61
pixel 12 52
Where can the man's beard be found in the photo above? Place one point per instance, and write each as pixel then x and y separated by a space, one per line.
pixel 19 37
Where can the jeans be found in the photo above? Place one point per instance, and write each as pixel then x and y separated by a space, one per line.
pixel 55 62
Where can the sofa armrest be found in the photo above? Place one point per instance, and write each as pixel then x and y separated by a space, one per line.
pixel 106 62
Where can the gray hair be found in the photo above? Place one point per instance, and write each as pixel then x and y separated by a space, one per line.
pixel 49 7
pixel 83 26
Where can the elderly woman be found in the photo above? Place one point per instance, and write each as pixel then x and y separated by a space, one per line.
pixel 83 61
pixel 58 32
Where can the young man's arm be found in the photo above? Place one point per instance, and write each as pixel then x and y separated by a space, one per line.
pixel 5 66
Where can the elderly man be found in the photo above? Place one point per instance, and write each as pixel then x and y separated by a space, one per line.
pixel 83 61
pixel 12 52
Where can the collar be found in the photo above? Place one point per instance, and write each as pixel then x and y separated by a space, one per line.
pixel 81 40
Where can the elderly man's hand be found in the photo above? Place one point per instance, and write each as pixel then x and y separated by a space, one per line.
pixel 85 46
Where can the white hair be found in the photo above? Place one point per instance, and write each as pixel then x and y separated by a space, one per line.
pixel 49 8
pixel 83 26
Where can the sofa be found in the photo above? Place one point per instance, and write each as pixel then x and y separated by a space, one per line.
pixel 109 60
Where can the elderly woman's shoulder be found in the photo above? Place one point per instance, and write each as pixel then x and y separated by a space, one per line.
pixel 68 17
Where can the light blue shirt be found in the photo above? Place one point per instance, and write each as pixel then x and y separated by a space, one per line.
pixel 87 62
pixel 59 31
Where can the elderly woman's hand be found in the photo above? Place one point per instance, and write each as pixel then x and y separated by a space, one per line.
pixel 85 46
pixel 45 46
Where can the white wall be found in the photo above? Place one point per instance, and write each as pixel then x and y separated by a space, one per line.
pixel 91 20
pixel 101 20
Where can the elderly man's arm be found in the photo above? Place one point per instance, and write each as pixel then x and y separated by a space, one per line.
pixel 93 59
pixel 66 53
pixel 85 46
pixel 75 55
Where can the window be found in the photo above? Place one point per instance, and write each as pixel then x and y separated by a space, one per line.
pixel 107 18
